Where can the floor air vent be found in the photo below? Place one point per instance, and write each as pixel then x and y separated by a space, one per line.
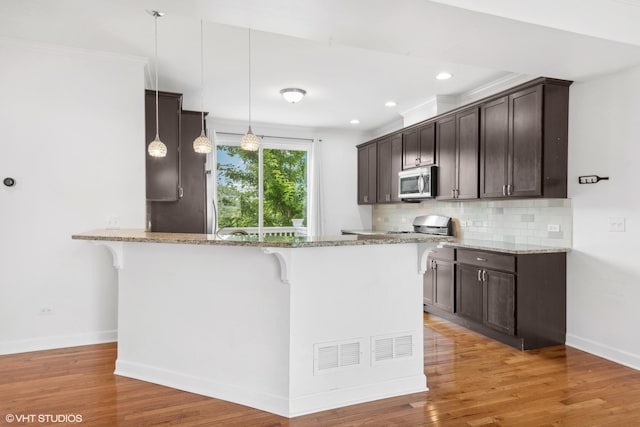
pixel 330 357
pixel 391 347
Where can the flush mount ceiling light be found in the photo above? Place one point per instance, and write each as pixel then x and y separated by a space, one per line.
pixel 390 104
pixel 156 147
pixel 249 141
pixel 354 121
pixel 293 94
pixel 202 144
pixel 444 76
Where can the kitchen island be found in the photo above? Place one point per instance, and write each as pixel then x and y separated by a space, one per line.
pixel 289 325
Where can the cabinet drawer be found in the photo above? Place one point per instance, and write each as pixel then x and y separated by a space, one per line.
pixel 445 254
pixel 487 260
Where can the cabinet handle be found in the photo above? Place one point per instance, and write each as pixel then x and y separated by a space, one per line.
pixel 484 275
pixel 453 194
pixel 480 259
pixel 366 199
pixel 509 189
pixel 504 190
pixel 435 264
pixel 457 193
pixel 417 161
pixel 479 275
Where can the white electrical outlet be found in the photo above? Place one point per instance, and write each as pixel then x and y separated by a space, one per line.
pixel 112 221
pixel 46 310
pixel 553 227
pixel 616 224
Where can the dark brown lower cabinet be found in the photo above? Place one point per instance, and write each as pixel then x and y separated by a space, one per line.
pixel 499 305
pixel 469 292
pixel 438 281
pixel 519 300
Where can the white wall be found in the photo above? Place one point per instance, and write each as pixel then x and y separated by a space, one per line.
pixel 603 275
pixel 71 134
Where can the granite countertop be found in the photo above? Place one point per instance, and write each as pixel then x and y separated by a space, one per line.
pixel 504 247
pixel 485 245
pixel 141 236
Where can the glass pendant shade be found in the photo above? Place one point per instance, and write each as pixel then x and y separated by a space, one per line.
pixel 250 141
pixel 202 144
pixel 157 148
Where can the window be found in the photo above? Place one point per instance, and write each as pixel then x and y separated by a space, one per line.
pixel 266 190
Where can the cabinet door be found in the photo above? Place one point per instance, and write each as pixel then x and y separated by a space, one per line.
pixel 410 154
pixel 446 143
pixel 427 144
pixel 467 131
pixel 367 165
pixel 163 173
pixel 389 164
pixel 443 285
pixel 525 143
pixel 428 282
pixel 469 299
pixel 494 147
pixel 396 165
pixel 499 301
pixel 384 171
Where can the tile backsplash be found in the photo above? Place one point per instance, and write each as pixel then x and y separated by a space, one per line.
pixel 547 222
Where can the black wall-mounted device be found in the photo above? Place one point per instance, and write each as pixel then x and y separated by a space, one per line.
pixel 591 179
pixel 9 182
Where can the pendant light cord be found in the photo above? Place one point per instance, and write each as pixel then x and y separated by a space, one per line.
pixel 202 73
pixel 155 20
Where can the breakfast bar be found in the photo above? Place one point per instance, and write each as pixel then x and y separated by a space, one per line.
pixel 289 325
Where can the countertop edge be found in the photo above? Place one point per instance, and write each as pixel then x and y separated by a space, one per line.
pixel 179 238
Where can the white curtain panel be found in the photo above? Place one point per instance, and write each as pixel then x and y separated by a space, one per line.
pixel 317 194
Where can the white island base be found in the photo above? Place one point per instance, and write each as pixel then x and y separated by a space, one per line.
pixel 288 330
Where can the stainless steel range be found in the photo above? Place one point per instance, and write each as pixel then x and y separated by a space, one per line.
pixel 439 225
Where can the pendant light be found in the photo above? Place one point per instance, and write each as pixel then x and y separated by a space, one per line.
pixel 202 144
pixel 249 141
pixel 156 147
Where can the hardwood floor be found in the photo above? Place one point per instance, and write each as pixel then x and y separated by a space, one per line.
pixel 473 381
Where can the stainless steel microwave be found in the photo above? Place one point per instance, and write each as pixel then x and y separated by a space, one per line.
pixel 419 183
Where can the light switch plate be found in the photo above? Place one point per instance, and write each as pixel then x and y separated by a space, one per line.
pixel 616 224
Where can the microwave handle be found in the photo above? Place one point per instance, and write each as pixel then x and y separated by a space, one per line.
pixel 421 183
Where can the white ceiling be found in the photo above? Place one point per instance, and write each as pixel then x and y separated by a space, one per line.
pixel 350 55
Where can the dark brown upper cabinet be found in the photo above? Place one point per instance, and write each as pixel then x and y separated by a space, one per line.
pixel 511 144
pixel 457 142
pixel 367 174
pixel 523 143
pixel 163 173
pixel 189 213
pixel 419 146
pixel 389 152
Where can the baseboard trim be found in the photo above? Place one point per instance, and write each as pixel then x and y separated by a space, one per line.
pixel 279 405
pixel 365 393
pixel 59 341
pixel 607 352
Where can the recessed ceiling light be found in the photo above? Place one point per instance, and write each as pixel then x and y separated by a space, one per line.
pixel 354 121
pixel 443 76
pixel 390 104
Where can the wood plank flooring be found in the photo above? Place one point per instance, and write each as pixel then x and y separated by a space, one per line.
pixel 473 381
